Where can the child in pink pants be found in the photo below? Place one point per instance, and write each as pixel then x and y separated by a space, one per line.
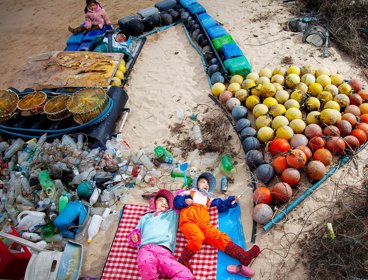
pixel 155 235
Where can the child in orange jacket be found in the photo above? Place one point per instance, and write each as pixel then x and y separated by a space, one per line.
pixel 195 223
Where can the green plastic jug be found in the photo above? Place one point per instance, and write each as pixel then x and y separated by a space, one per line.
pixel 238 66
pixel 220 41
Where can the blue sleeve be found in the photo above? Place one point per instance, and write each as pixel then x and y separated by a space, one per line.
pixel 179 201
pixel 224 204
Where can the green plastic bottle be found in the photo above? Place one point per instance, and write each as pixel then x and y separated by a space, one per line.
pixel 161 151
pixel 46 183
pixel 227 163
pixel 63 202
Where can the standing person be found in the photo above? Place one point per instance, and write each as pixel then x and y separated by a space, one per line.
pixel 95 18
pixel 155 235
pixel 195 221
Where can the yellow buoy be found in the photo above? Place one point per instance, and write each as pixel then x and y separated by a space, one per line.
pixel 332 105
pixel 292 80
pixel 279 70
pixel 342 99
pixel 269 101
pixel 324 80
pixel 265 72
pixel 268 90
pixel 345 88
pixel 293 114
pixel 279 121
pixel 277 110
pixel 312 104
pixel 252 76
pixel 252 101
pixel 259 110
pixel 277 79
pixel 263 121
pixel 282 96
pixel 241 94
pixel 337 79
pixel 313 117
pixel 218 88
pixel 119 74
pixel 293 70
pixel 236 79
pixel 291 103
pixel 248 84
pixel 297 126
pixel 265 134
pixel 315 89
pixel 233 87
pixel 284 132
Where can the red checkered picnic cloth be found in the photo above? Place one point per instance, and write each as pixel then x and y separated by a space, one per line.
pixel 121 262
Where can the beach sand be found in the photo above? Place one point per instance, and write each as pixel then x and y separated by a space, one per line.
pixel 169 77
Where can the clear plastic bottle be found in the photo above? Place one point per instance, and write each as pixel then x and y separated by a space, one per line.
pixel 94 197
pixel 80 142
pixel 94 227
pixel 24 182
pixel 22 200
pixel 3 146
pixel 68 141
pixel 198 139
pixel 15 147
pixel 145 160
pixel 31 236
pixel 28 151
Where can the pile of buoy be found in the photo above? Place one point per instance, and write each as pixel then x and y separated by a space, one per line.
pixel 303 116
pixel 118 78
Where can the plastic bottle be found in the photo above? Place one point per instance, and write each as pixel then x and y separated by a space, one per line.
pixel 31 236
pixel 46 183
pixel 15 147
pixel 94 227
pixel 63 201
pixel 161 151
pixel 28 151
pixel 226 163
pixel 145 160
pixel 68 141
pixel 22 200
pixel 96 193
pixel 80 142
pixel 140 176
pixel 3 146
pixel 198 139
pixel 42 140
pixel 25 184
pixel 93 153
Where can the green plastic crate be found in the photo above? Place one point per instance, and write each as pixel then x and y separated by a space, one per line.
pixel 218 42
pixel 238 66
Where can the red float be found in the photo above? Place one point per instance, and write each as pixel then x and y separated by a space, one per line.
pixel 351 118
pixel 360 135
pixel 356 85
pixel 316 143
pixel 313 130
pixel 291 176
pixel 281 192
pixel 262 195
pixel 336 145
pixel 279 164
pixel 355 99
pixel 306 150
pixel 352 109
pixel 279 146
pixel 363 126
pixel 331 130
pixel 351 143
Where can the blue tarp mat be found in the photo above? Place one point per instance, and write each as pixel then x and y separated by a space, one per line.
pixel 75 39
pixel 230 223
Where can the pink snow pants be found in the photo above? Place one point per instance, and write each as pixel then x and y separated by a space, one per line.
pixel 154 260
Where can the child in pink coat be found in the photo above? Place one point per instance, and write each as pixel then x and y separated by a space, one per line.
pixel 95 18
pixel 155 235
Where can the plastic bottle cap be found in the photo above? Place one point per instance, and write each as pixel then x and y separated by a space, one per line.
pixel 89 241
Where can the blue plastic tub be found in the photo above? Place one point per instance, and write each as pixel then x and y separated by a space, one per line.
pixel 231 50
pixel 216 31
pixel 187 3
pixel 196 8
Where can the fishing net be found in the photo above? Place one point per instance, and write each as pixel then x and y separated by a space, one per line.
pixel 8 104
pixel 32 103
pixel 56 108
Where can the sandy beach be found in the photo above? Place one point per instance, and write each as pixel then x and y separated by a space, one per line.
pixel 168 77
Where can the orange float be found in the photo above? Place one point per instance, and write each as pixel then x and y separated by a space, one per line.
pixel 291 176
pixel 360 135
pixel 279 164
pixel 262 195
pixel 296 158
pixel 323 155
pixel 281 192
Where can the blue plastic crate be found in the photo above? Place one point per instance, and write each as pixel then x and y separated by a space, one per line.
pixel 187 3
pixel 216 31
pixel 203 16
pixel 207 21
pixel 75 39
pixel 72 47
pixel 231 50
pixel 196 8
